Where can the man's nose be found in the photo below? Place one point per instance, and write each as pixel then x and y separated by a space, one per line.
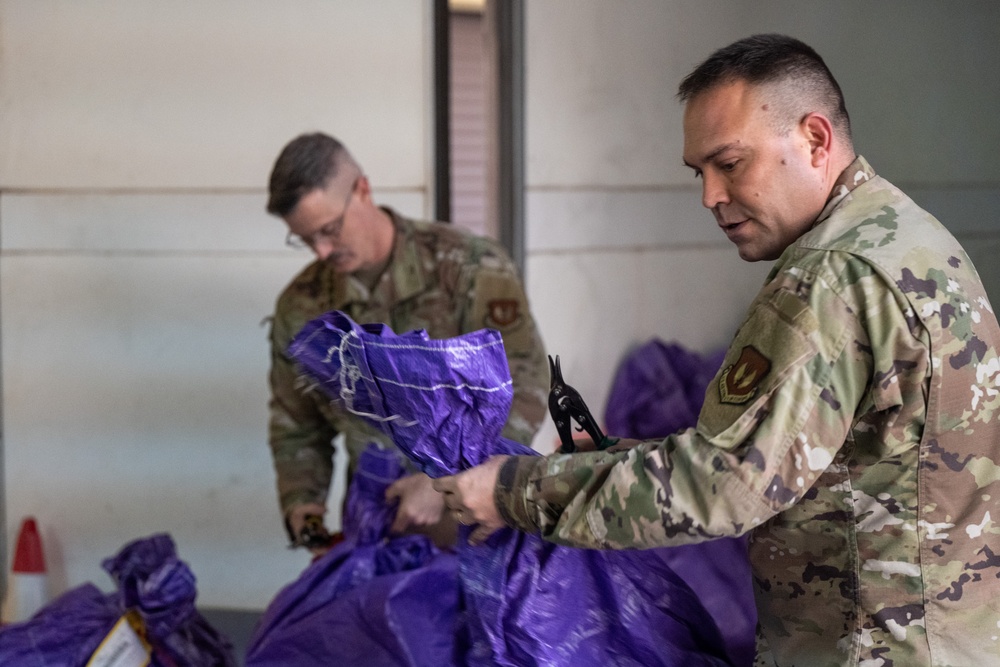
pixel 323 248
pixel 714 190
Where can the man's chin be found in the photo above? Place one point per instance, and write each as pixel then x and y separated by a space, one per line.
pixel 749 254
pixel 342 266
pixel 753 253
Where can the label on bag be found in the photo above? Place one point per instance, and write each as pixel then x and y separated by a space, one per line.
pixel 123 647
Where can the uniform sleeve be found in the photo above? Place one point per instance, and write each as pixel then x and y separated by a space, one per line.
pixel 299 435
pixel 498 301
pixel 774 418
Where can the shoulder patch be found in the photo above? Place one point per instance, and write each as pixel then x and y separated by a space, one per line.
pixel 738 382
pixel 502 313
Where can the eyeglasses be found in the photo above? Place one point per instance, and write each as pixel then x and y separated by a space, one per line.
pixel 329 232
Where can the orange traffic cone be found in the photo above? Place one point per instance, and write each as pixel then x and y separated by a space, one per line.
pixel 28 587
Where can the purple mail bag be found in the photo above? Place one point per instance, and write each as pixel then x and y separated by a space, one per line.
pixel 523 601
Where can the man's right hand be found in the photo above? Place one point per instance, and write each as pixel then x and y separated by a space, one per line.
pixel 296 518
pixel 469 497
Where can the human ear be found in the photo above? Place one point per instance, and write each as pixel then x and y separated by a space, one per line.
pixel 364 189
pixel 818 132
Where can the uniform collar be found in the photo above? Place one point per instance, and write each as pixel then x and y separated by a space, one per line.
pixel 857 172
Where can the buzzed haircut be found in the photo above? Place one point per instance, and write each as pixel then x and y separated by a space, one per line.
pixel 308 162
pixel 773 59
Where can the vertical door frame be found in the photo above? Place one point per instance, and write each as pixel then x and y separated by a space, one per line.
pixel 505 22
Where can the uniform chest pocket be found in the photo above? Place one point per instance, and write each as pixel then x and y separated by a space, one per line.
pixel 434 311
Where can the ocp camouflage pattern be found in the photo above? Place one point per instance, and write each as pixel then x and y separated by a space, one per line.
pixel 441 279
pixel 864 455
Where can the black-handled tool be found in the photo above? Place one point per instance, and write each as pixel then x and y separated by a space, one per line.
pixel 566 406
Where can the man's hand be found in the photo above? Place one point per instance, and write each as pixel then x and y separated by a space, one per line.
pixel 621 444
pixel 297 520
pixel 469 497
pixel 420 506
pixel 421 510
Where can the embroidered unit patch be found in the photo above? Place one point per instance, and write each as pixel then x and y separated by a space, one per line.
pixel 738 382
pixel 503 313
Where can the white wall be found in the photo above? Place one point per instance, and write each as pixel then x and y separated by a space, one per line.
pixel 136 138
pixel 619 248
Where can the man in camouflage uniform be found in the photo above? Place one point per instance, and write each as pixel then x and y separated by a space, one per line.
pixel 378 266
pixel 853 427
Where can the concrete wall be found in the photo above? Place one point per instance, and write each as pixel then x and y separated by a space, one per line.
pixel 620 249
pixel 136 137
pixel 136 262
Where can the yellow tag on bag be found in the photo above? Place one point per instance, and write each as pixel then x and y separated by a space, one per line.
pixel 124 646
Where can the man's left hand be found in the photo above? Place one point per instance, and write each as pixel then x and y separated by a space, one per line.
pixel 420 506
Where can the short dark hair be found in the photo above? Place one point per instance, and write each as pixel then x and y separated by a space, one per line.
pixel 307 162
pixel 771 58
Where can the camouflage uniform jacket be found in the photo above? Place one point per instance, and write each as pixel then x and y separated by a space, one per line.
pixel 439 278
pixel 853 428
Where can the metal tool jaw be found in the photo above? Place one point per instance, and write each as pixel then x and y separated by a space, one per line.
pixel 567 406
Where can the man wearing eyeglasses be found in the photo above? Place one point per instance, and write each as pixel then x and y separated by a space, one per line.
pixel 378 266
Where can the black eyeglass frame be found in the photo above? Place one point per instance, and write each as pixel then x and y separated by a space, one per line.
pixel 329 231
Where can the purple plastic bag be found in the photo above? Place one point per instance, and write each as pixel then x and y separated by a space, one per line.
pixel 422 391
pixel 524 601
pixel 161 587
pixel 153 583
pixel 370 600
pixel 658 390
pixel 65 633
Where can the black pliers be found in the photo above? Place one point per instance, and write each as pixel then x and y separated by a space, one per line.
pixel 567 406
